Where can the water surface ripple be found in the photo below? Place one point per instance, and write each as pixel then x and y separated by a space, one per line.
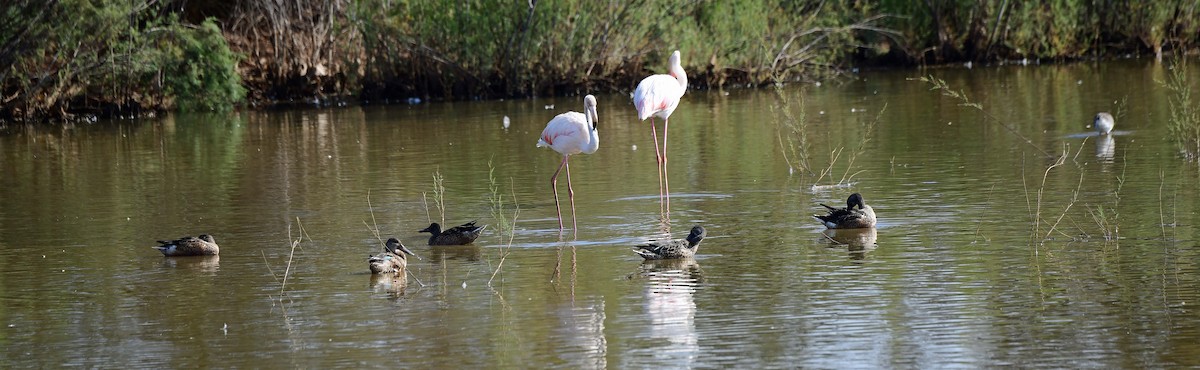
pixel 986 254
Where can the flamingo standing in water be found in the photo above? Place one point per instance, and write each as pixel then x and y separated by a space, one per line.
pixel 659 95
pixel 571 133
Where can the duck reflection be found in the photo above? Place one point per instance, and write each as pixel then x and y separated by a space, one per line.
pixel 671 270
pixel 1106 147
pixel 857 241
pixel 390 283
pixel 199 263
pixel 470 252
pixel 669 302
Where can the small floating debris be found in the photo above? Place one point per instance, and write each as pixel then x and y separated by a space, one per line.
pixel 506 122
pixel 414 100
pixel 548 106
pixel 817 188
pixel 634 147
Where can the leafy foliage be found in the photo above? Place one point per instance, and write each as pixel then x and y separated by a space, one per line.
pixel 456 48
pixel 199 69
pixel 78 59
pixel 85 58
pixel 948 30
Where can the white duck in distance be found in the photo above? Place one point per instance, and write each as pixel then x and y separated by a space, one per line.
pixel 1103 123
pixel 571 133
pixel 659 95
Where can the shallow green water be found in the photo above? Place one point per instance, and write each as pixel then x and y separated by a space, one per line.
pixel 957 273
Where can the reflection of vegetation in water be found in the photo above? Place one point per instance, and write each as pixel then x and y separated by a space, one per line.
pixel 1184 125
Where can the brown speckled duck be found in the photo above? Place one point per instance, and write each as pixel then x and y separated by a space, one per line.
pixel 673 248
pixel 856 215
pixel 203 245
pixel 459 235
pixel 391 260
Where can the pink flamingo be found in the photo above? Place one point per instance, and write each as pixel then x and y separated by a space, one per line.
pixel 659 95
pixel 571 133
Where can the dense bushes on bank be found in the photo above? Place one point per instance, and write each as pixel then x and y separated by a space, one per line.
pixel 79 59
pixel 84 58
pixel 954 30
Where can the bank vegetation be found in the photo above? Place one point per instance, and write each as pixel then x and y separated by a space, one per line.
pixel 83 59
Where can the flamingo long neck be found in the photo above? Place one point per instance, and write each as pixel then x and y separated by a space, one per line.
pixel 680 75
pixel 594 137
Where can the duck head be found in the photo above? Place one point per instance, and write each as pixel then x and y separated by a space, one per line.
pixel 855 200
pixel 394 246
pixel 433 228
pixel 696 235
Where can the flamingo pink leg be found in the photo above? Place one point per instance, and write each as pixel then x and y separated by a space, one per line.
pixel 658 157
pixel 666 179
pixel 554 185
pixel 571 195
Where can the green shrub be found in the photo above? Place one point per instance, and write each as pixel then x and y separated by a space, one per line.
pixel 74 59
pixel 199 70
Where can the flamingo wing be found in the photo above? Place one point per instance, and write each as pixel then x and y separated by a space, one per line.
pixel 566 133
pixel 657 95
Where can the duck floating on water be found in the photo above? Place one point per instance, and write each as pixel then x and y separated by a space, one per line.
pixel 673 248
pixel 391 260
pixel 459 235
pixel 856 215
pixel 1103 123
pixel 203 245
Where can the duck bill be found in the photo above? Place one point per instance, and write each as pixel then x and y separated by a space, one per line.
pixel 404 249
